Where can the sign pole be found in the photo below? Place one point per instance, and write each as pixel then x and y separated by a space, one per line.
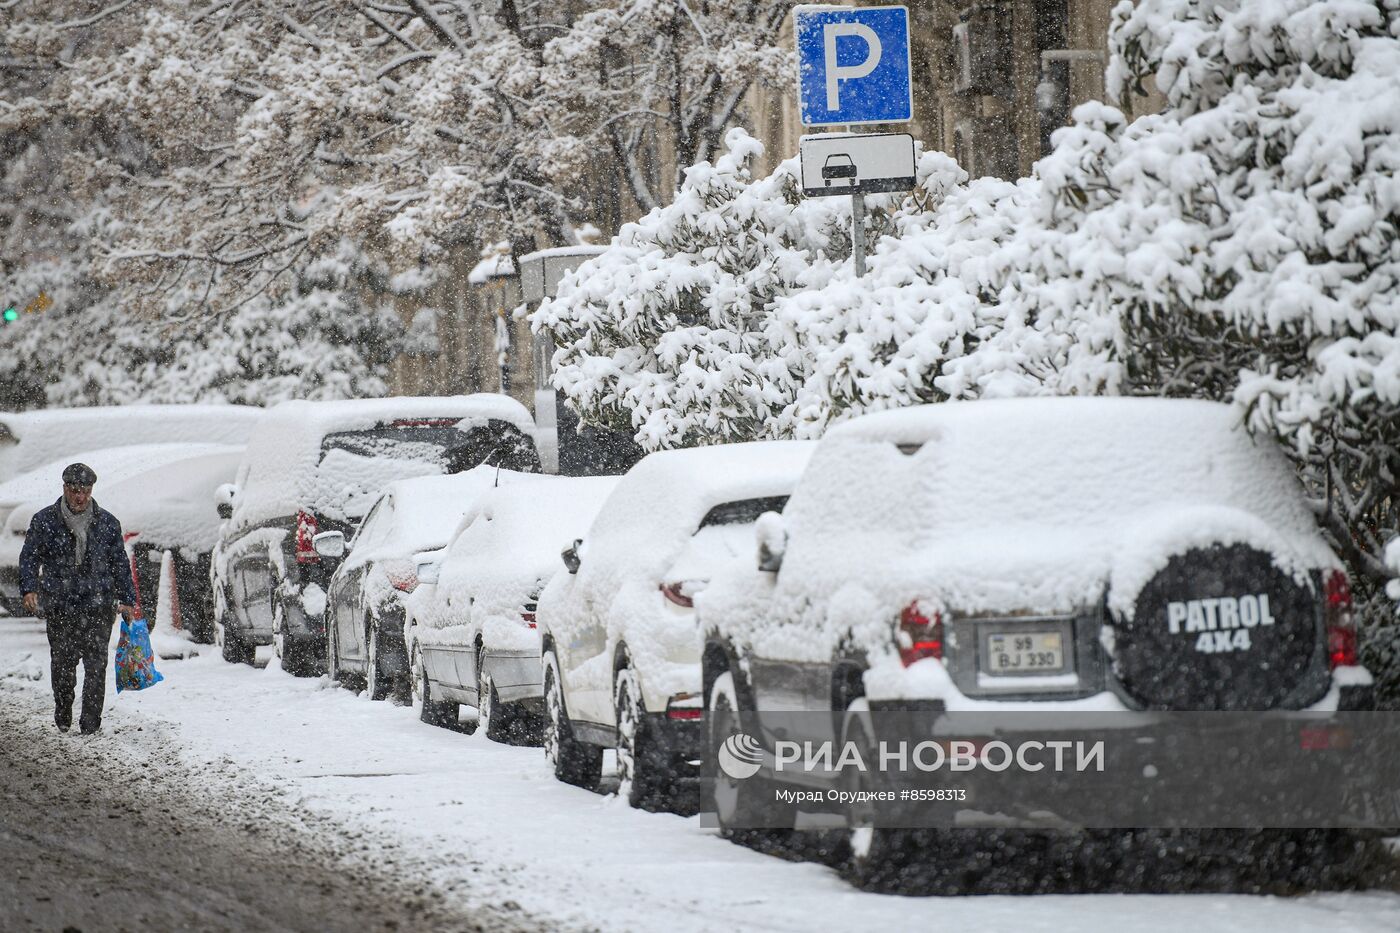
pixel 858 232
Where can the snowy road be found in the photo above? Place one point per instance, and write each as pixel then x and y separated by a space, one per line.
pixel 484 831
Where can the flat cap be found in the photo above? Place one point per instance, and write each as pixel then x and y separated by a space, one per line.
pixel 79 474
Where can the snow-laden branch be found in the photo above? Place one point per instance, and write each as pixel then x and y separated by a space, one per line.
pixel 97 17
pixel 438 25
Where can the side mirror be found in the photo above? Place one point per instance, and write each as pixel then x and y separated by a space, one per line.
pixel 772 541
pixel 329 544
pixel 572 561
pixel 224 497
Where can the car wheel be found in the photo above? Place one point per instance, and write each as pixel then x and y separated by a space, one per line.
pixel 440 713
pixel 377 685
pixel 736 801
pixel 646 780
pixel 574 762
pixel 298 656
pixel 332 650
pixel 877 858
pixel 498 720
pixel 232 648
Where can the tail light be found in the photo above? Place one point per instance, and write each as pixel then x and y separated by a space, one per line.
pixel 527 615
pixel 672 592
pixel 920 636
pixel 307 528
pixel 685 706
pixel 402 576
pixel 1341 626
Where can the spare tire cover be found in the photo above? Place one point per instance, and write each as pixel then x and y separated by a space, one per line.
pixel 1219 628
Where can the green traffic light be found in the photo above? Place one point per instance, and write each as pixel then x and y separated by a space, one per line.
pixel 11 314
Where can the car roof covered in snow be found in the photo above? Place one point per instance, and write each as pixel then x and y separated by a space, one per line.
pixel 663 498
pixel 172 505
pixel 29 439
pixel 1039 503
pixel 281 472
pixel 26 494
pixel 430 510
pixel 517 524
pixel 112 464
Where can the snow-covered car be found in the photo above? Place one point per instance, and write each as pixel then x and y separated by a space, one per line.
pixel 30 439
pixel 116 467
pixel 166 508
pixel 472 633
pixel 1065 555
pixel 621 652
pixel 379 569
pixel 319 466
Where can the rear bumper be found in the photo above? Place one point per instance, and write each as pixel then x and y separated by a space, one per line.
pixel 678 742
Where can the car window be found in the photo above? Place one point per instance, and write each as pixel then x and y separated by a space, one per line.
pixel 440 441
pixel 367 524
pixel 742 511
pixel 375 529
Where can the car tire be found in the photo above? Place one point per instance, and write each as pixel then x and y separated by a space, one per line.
pixel 232 647
pixel 574 762
pixel 298 655
pixel 440 713
pixel 735 801
pixel 647 781
pixel 378 685
pixel 332 652
pixel 495 718
pixel 895 861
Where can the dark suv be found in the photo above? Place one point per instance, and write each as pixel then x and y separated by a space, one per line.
pixel 1067 557
pixel 319 466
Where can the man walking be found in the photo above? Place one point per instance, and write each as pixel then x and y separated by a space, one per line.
pixel 73 569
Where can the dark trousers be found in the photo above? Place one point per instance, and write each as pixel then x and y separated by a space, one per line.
pixel 73 638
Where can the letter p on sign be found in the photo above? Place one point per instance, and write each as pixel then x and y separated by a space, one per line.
pixel 835 74
pixel 853 65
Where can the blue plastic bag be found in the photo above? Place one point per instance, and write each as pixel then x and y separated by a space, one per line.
pixel 136 662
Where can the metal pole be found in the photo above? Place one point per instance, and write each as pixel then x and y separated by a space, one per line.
pixel 858 232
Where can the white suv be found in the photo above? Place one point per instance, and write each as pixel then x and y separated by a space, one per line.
pixel 621 650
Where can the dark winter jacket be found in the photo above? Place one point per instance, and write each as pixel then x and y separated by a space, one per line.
pixel 46 563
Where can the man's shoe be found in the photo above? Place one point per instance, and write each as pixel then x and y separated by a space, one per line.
pixel 63 726
pixel 90 730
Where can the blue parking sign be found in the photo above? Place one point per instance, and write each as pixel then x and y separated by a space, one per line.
pixel 853 65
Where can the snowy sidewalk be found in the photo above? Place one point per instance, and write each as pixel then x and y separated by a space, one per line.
pixel 500 827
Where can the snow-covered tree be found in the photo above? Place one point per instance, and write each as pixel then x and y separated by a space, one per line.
pixel 277 130
pixel 1285 218
pixel 319 340
pixel 670 334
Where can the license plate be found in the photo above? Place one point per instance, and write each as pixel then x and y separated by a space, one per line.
pixel 1024 653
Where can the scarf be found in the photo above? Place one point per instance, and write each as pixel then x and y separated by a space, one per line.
pixel 78 523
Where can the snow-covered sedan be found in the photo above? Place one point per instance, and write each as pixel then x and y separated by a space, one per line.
pixel 472 633
pixel 30 439
pixel 155 468
pixel 319 466
pixel 378 570
pixel 1055 554
pixel 621 649
pixel 165 509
